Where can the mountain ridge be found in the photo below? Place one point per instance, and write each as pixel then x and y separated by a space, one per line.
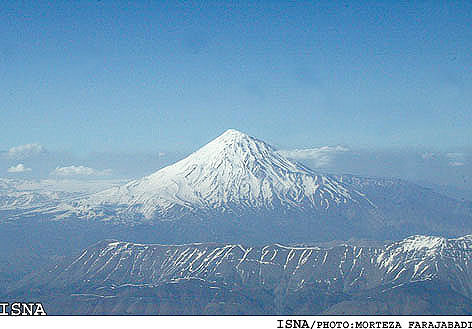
pixel 239 188
pixel 231 173
pixel 284 278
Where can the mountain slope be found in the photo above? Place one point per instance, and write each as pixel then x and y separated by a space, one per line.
pixel 283 274
pixel 233 174
pixel 413 208
pixel 239 189
pixel 17 195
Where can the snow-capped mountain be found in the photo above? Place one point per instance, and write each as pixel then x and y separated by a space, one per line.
pixel 232 175
pixel 288 275
pixel 343 268
pixel 16 195
pixel 239 189
pixel 20 194
pixel 241 194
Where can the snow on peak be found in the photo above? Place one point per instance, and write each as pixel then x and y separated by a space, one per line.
pixel 232 172
pixel 233 134
pixel 423 242
pixel 236 150
pixel 422 246
pixel 232 138
pixel 419 244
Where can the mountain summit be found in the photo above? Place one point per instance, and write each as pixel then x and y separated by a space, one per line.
pixel 235 174
pixel 238 188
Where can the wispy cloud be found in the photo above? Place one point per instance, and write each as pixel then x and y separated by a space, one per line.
pixel 456 159
pixel 74 171
pixel 25 151
pixel 321 156
pixel 71 184
pixel 19 168
pixel 428 156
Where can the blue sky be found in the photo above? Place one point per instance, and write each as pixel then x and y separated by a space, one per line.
pixel 119 77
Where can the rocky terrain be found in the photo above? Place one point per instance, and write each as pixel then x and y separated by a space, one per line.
pixel 417 275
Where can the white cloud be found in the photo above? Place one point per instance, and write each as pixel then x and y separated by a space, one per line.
pixel 456 159
pixel 25 151
pixel 456 164
pixel 428 156
pixel 79 171
pixel 74 185
pixel 19 168
pixel 322 156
